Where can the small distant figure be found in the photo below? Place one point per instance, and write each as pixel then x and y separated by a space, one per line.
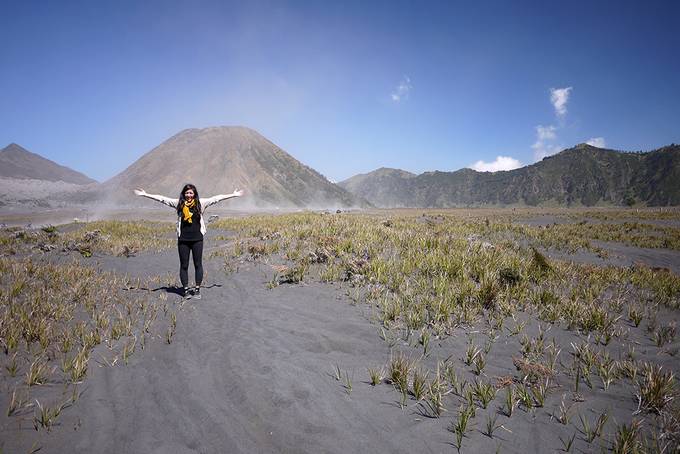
pixel 190 230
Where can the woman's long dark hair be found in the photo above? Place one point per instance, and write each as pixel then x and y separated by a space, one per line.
pixel 180 205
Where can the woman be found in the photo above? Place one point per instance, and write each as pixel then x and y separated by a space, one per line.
pixel 190 230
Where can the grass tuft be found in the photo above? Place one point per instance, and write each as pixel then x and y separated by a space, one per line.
pixel 656 388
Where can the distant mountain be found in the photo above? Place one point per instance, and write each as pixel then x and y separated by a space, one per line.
pixel 18 163
pixel 24 193
pixel 220 159
pixel 583 175
pixel 383 184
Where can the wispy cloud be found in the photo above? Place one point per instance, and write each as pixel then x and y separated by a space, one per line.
pixel 501 163
pixel 597 142
pixel 544 133
pixel 546 136
pixel 402 90
pixel 545 142
pixel 559 98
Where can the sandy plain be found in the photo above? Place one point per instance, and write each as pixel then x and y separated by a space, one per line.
pixel 256 367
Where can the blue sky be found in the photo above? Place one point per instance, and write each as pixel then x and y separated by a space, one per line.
pixel 345 87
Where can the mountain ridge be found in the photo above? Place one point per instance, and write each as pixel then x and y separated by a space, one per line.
pixel 581 175
pixel 19 163
pixel 220 159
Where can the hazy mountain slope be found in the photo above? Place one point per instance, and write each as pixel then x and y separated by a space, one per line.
pixel 27 193
pixel 384 183
pixel 17 162
pixel 583 175
pixel 220 159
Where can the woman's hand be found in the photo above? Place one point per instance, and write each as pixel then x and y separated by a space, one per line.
pixel 238 193
pixel 140 191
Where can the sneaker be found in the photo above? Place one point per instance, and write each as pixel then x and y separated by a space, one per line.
pixel 186 293
pixel 197 293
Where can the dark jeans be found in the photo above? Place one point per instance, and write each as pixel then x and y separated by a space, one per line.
pixel 196 250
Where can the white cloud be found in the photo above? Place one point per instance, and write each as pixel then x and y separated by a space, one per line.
pixel 501 163
pixel 597 142
pixel 545 132
pixel 544 145
pixel 559 98
pixel 546 136
pixel 547 140
pixel 402 90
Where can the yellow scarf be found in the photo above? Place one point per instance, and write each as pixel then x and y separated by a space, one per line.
pixel 186 210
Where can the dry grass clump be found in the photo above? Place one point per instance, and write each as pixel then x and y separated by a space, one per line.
pixel 662 286
pixel 656 388
pixel 419 383
pixel 533 372
pixel 606 214
pixel 574 236
pixel 289 274
pixel 15 240
pixel 52 317
pixel 668 435
pixel 376 375
pixel 425 277
pixel 483 392
pixel 627 438
pixel 444 274
pixel 594 430
pixel 430 275
pixel 461 426
pixel 399 371
pixel 121 238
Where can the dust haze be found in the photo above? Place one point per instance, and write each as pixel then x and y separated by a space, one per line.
pixel 41 203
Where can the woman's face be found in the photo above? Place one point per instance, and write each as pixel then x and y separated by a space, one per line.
pixel 189 195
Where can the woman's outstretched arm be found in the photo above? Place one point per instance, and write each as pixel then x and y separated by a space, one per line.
pixel 218 198
pixel 159 198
